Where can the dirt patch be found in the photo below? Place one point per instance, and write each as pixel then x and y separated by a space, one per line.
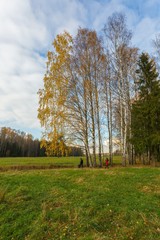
pixel 32 167
pixel 80 180
pixel 151 189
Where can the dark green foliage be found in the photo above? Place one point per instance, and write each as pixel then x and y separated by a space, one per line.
pixel 15 143
pixel 76 151
pixel 146 110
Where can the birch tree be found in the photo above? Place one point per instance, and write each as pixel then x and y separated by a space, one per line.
pixel 122 62
pixel 69 103
pixel 87 59
pixel 52 112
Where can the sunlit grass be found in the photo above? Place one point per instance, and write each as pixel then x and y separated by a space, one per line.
pixel 88 204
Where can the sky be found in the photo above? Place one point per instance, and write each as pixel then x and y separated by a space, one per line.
pixel 27 30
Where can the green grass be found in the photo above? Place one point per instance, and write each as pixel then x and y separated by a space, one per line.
pixel 88 204
pixel 39 161
pixel 45 162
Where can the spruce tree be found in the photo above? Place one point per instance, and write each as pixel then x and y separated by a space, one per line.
pixel 146 110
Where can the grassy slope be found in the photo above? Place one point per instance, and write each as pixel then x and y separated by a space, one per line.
pixel 95 204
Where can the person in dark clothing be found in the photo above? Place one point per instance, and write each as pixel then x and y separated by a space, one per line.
pixel 81 163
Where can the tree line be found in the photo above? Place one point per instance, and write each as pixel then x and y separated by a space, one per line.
pixel 98 87
pixel 14 143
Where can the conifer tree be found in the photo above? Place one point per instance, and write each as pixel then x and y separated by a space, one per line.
pixel 146 110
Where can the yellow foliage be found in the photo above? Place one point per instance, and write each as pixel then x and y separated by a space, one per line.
pixel 52 97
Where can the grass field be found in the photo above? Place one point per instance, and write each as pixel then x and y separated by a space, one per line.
pixel 46 162
pixel 41 161
pixel 83 204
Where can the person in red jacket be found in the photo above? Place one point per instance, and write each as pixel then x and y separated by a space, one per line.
pixel 107 163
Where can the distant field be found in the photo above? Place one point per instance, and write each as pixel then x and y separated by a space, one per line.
pixel 88 204
pixel 45 161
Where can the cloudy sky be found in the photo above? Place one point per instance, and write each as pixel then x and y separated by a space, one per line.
pixel 27 29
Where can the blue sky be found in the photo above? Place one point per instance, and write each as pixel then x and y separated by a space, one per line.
pixel 27 29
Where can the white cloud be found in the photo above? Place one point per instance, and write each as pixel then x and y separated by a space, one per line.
pixel 101 12
pixel 26 32
pixel 27 29
pixel 21 68
pixel 145 32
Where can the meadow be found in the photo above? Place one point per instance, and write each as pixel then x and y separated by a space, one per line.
pixel 85 204
pixel 43 162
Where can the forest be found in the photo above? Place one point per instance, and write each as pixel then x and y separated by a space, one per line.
pixel 14 143
pixel 98 86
